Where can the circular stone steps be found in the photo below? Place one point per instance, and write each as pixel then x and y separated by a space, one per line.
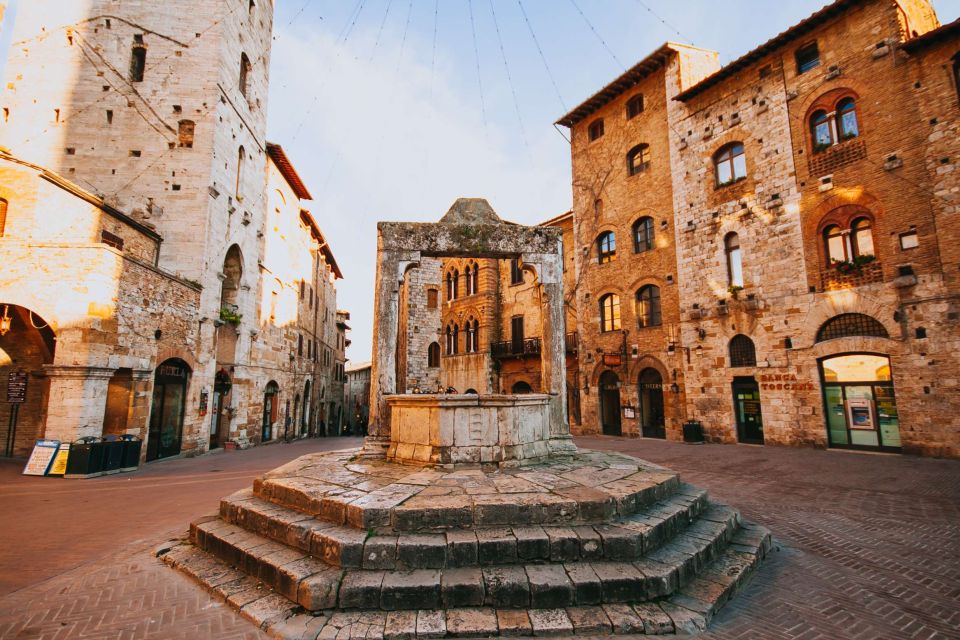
pixel 626 555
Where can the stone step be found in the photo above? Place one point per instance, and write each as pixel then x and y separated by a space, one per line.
pixel 433 501
pixel 315 583
pixel 624 539
pixel 685 612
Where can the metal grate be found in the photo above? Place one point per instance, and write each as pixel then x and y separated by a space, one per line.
pixel 742 352
pixel 851 324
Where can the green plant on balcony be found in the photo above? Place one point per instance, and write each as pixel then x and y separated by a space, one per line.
pixel 820 147
pixel 734 291
pixel 855 266
pixel 230 316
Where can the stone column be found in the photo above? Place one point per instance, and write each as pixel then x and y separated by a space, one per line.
pixel 391 268
pixel 553 354
pixel 78 396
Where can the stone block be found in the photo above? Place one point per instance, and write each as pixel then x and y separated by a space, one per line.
pixel 361 590
pixel 588 589
pixel 380 552
pixel 471 623
pixel 514 622
pixel 591 546
pixel 400 625
pixel 431 624
pixel 655 621
pixel 532 543
pixel 462 587
pixel 685 621
pixel 661 579
pixel 622 582
pixel 623 619
pixel 550 587
pixel 550 622
pixel 564 544
pixel 589 621
pixel 506 586
pixel 339 546
pixel 410 589
pixel 421 551
pixel 496 546
pixel 462 548
pixel 620 543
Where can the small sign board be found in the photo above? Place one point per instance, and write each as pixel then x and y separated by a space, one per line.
pixel 17 387
pixel 612 359
pixel 41 457
pixel 629 412
pixel 59 466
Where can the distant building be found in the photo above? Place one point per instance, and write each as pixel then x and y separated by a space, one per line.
pixel 163 278
pixel 356 401
pixel 770 248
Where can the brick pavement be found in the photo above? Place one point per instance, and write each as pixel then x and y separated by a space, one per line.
pixel 867 546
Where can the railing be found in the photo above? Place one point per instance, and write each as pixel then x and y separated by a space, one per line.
pixel 528 347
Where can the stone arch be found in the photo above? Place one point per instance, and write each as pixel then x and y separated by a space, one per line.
pixel 232 275
pixel 839 303
pixel 648 361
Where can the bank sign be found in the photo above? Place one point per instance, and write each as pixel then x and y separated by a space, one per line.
pixel 784 382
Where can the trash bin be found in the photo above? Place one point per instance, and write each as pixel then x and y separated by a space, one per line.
pixel 693 432
pixel 112 454
pixel 131 452
pixel 85 459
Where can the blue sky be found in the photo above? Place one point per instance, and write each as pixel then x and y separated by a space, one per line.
pixel 382 113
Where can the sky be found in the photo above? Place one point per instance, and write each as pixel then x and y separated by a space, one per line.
pixel 392 109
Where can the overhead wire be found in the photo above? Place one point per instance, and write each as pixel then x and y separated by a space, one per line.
pixel 664 22
pixel 376 42
pixel 513 90
pixel 476 55
pixel 543 58
pixel 599 37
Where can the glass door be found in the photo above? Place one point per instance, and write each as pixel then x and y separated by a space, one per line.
pixel 652 422
pixel 746 404
pixel 859 402
pixel 167 412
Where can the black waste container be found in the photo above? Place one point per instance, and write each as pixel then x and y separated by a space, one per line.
pixel 693 432
pixel 112 454
pixel 85 459
pixel 131 452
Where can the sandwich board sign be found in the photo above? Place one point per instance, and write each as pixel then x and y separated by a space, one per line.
pixel 41 457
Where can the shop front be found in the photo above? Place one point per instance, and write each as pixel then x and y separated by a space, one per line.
pixel 859 402
pixel 610 404
pixel 168 409
pixel 650 393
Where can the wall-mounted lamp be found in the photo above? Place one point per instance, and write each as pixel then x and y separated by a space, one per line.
pixel 5 321
pixel 702 333
pixel 699 350
pixel 674 388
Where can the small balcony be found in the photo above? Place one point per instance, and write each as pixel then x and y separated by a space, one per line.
pixel 529 347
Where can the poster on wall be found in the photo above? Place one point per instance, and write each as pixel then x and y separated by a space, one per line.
pixel 628 412
pixel 17 387
pixel 41 457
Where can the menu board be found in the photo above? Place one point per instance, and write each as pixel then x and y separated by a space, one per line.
pixel 59 466
pixel 41 457
pixel 17 387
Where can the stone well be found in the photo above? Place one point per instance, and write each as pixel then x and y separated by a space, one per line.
pixel 493 525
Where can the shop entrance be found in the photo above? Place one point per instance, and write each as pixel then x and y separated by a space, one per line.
pixel 746 403
pixel 610 404
pixel 652 423
pixel 859 402
pixel 167 412
pixel 219 424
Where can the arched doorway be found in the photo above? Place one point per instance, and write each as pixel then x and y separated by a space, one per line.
pixel 232 272
pixel 168 409
pixel 610 404
pixel 521 387
pixel 219 422
pixel 271 402
pixel 859 402
pixel 27 342
pixel 305 417
pixel 650 388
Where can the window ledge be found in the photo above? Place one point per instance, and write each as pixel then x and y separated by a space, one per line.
pixel 729 183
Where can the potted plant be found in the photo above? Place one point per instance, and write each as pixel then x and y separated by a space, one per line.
pixel 229 315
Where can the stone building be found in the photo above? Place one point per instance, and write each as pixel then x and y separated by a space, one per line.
pixel 356 394
pixel 474 324
pixel 154 118
pixel 813 220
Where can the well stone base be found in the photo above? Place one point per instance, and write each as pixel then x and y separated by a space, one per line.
pixel 335 545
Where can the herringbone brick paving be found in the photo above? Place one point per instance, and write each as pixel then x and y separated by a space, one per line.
pixel 867 546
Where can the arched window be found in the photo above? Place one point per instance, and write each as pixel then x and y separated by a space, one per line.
pixel 730 164
pixel 862 237
pixel 643 235
pixel 469 281
pixel 638 159
pixel 244 74
pixel 453 284
pixel 648 306
pixel 595 130
pixel 820 128
pixel 241 158
pixel 635 106
pixel 453 338
pixel 742 352
pixel 610 313
pixel 851 324
pixel 847 118
pixel 230 286
pixel 606 247
pixel 433 355
pixel 521 387
pixel 476 335
pixel 471 329
pixel 472 275
pixel 138 58
pixel 834 244
pixel 3 216
pixel 731 247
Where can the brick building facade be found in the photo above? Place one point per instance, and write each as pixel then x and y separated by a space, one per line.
pixel 146 124
pixel 807 263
